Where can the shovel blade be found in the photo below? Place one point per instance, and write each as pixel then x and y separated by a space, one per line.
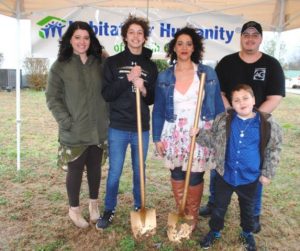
pixel 179 227
pixel 143 222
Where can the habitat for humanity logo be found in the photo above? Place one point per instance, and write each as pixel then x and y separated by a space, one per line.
pixel 50 26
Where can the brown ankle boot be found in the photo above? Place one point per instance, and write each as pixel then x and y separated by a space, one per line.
pixel 193 202
pixel 177 187
pixel 94 210
pixel 76 217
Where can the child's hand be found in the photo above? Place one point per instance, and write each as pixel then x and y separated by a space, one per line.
pixel 160 149
pixel 264 180
pixel 194 131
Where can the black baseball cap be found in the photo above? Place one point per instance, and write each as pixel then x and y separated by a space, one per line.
pixel 252 24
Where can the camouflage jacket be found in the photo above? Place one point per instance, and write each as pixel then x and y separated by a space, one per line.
pixel 270 141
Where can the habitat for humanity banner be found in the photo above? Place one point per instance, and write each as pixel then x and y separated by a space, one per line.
pixel 221 32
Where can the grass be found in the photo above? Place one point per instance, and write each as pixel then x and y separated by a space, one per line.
pixel 33 201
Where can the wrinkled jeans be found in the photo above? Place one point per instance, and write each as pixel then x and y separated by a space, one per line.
pixel 118 141
pixel 257 200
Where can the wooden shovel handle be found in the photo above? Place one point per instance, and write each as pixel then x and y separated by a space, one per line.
pixel 140 147
pixel 192 146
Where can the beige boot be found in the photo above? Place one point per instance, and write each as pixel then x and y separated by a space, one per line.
pixel 94 210
pixel 76 217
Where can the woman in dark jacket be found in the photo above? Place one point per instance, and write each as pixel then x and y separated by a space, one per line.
pixel 74 97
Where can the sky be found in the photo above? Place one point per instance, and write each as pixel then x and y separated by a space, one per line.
pixel 8 44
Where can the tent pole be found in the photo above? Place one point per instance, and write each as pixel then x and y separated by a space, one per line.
pixel 280 25
pixel 18 113
pixel 147 9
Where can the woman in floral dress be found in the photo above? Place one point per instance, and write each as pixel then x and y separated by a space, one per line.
pixel 174 111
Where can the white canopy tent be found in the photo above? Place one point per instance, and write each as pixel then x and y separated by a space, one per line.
pixel 274 15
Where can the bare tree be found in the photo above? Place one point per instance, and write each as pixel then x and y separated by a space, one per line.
pixel 270 48
pixel 294 61
pixel 37 72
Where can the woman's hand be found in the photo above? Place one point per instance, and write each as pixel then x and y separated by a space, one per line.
pixel 264 180
pixel 194 131
pixel 160 149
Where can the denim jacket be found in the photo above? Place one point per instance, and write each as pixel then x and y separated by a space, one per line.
pixel 164 98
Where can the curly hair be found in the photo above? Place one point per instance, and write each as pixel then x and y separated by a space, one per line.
pixel 65 48
pixel 144 23
pixel 197 39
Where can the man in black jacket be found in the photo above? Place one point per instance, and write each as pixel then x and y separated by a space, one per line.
pixel 125 73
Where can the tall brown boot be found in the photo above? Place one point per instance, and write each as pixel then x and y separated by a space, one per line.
pixel 193 202
pixel 177 187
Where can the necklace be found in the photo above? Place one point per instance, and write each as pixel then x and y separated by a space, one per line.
pixel 242 131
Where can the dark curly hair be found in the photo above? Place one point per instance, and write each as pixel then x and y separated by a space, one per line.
pixel 144 23
pixel 65 48
pixel 197 39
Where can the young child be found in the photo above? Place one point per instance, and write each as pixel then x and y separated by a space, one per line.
pixel 247 147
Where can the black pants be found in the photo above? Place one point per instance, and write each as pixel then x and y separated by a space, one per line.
pixel 195 178
pixel 91 158
pixel 246 195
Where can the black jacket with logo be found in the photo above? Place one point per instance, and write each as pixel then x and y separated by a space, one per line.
pixel 119 92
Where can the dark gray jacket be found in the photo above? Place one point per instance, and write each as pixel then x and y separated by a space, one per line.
pixel 74 97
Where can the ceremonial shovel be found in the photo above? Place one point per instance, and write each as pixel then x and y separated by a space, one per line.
pixel 143 222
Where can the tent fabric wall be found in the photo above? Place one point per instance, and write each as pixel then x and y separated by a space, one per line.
pixel 221 32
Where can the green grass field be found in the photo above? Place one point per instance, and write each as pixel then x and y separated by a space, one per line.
pixel 33 201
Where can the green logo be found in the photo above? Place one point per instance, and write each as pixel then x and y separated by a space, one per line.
pixel 51 26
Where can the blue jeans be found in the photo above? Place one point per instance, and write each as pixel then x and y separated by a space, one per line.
pixel 118 141
pixel 258 195
pixel 195 178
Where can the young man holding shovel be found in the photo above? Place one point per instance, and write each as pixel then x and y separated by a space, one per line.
pixel 124 74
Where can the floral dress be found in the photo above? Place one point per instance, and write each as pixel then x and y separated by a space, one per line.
pixel 68 154
pixel 175 136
